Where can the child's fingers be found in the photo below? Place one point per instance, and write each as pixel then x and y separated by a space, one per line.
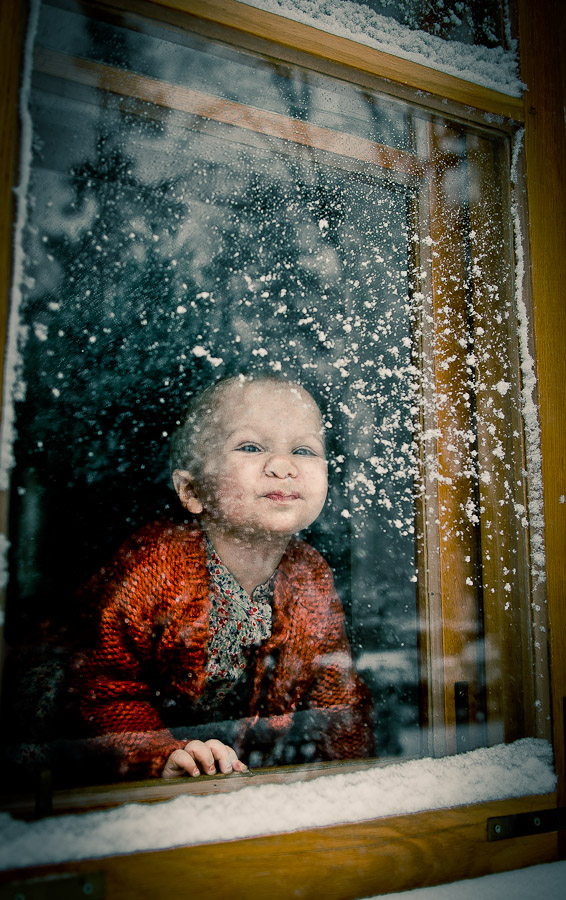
pixel 180 763
pixel 197 757
pixel 202 755
pixel 225 757
pixel 221 754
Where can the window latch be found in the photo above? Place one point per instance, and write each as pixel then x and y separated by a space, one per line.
pixel 500 828
pixel 69 886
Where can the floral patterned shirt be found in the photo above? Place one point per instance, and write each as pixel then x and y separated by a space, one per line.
pixel 238 622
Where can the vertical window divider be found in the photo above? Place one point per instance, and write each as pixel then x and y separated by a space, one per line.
pixel 457 517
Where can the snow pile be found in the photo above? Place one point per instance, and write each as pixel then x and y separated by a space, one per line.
pixel 529 385
pixel 13 387
pixel 494 67
pixel 521 884
pixel 513 770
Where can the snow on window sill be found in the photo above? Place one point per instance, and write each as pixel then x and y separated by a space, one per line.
pixel 513 770
pixel 493 68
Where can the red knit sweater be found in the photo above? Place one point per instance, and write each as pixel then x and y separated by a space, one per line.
pixel 148 654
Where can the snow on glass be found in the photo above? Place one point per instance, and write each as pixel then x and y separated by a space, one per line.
pixel 165 249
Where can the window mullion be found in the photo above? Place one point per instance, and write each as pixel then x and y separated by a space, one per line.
pixel 430 637
pixel 457 513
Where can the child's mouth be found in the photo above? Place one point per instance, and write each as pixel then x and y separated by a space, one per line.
pixel 282 497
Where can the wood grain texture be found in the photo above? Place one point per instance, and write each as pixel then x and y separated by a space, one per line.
pixel 542 27
pixel 339 862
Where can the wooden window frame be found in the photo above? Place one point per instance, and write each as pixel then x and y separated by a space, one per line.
pixel 383 855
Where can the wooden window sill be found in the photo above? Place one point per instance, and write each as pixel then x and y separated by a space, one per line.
pixel 155 790
pixel 337 862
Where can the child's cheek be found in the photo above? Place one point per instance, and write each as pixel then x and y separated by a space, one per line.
pixel 211 490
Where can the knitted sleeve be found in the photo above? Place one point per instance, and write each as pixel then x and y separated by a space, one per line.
pixel 112 678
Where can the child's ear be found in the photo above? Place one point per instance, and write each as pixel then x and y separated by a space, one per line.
pixel 184 485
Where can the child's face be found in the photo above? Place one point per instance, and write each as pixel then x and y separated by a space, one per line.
pixel 264 469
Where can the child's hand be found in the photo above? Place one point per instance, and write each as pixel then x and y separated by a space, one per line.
pixel 198 757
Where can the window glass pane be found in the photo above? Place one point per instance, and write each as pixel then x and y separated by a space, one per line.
pixel 186 60
pixel 195 212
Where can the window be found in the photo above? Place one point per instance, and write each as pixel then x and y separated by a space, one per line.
pixel 363 872
pixel 219 210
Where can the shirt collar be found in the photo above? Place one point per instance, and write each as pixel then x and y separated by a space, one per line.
pixel 222 577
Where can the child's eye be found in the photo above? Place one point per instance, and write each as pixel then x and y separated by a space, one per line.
pixel 249 448
pixel 304 451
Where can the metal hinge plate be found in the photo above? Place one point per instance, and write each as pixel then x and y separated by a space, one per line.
pixel 523 824
pixel 58 887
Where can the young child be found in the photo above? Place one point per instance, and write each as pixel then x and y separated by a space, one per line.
pixel 228 624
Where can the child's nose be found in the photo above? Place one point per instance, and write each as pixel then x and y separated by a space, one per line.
pixel 281 466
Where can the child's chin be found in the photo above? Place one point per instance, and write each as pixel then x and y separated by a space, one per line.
pixel 288 529
pixel 277 528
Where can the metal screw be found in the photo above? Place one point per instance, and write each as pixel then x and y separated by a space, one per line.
pixel 497 829
pixel 88 888
pixel 536 822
